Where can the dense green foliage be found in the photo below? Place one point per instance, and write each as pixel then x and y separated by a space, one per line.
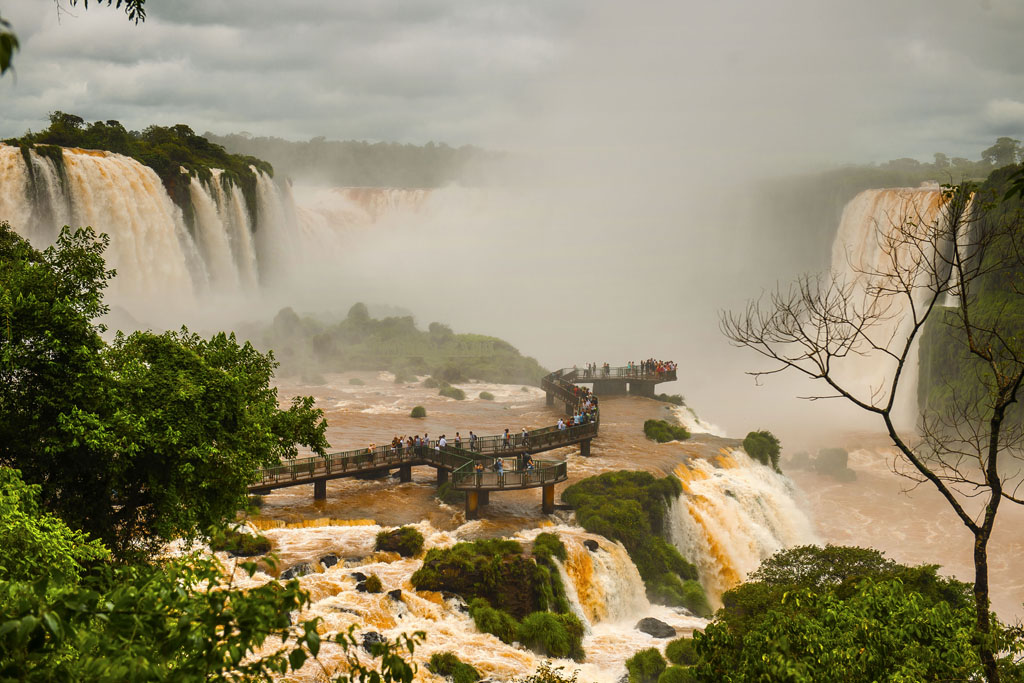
pixel 663 432
pixel 406 541
pixel 360 342
pixel 418 412
pixel 447 664
pixel 166 150
pixel 547 545
pixel 496 570
pixel 950 376
pixel 147 439
pixel 554 635
pixel 447 493
pixel 676 674
pixel 763 447
pixel 449 391
pixel 842 614
pixel 35 544
pixel 352 163
pixel 630 507
pixel 674 399
pixel 373 584
pixel 498 623
pixel 681 651
pixel 645 666
pixel 240 544
pixel 486 396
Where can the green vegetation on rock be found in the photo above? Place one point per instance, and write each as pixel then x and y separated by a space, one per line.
pixel 360 342
pixel 406 541
pixel 681 651
pixel 356 382
pixel 486 396
pixel 449 391
pixel 674 399
pixel 630 507
pixel 418 411
pixel 645 666
pixel 373 584
pixel 676 674
pixel 447 664
pixel 498 623
pixel 240 544
pixel 554 635
pixel 663 432
pixel 496 570
pixel 763 447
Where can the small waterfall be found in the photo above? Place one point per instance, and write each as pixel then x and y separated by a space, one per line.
pixel 733 514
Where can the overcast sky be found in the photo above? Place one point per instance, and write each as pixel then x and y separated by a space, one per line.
pixel 853 81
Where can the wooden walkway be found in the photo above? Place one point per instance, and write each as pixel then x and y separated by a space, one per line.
pixel 461 463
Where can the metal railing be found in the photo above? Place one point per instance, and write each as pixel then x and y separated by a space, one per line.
pixel 512 475
pixel 625 372
pixel 460 460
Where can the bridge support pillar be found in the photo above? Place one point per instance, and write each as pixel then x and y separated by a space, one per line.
pixel 485 498
pixel 405 473
pixel 320 490
pixel 585 448
pixel 547 501
pixel 610 387
pixel 472 503
pixel 442 476
pixel 550 398
pixel 641 388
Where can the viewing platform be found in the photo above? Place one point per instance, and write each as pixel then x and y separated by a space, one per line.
pixel 615 381
pixel 458 464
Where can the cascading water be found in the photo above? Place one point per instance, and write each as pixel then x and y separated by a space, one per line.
pixel 158 257
pixel 860 253
pixel 733 514
pixel 603 585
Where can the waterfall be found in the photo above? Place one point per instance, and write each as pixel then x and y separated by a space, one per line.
pixel 733 514
pixel 860 250
pixel 157 255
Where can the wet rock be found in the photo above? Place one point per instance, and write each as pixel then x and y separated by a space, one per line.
pixel 346 610
pixel 395 594
pixel 329 561
pixel 296 571
pixel 358 576
pixel 591 545
pixel 361 586
pixel 624 678
pixel 655 627
pixel 371 637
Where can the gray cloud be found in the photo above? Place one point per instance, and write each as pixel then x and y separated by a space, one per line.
pixel 856 81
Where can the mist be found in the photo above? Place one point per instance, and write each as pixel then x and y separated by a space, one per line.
pixel 629 220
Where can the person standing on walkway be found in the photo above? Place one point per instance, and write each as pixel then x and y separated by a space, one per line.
pixel 506 441
pixel 472 441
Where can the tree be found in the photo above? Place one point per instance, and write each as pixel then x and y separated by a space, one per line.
pixel 818 323
pixel 1005 152
pixel 138 442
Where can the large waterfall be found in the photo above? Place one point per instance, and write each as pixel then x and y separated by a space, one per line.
pixel 160 257
pixel 864 248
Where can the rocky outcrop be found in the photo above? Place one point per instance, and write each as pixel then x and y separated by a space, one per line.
pixel 296 571
pixel 655 627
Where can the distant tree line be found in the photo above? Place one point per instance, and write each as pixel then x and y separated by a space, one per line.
pixel 357 163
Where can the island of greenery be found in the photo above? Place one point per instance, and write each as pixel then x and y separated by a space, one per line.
pixel 307 346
